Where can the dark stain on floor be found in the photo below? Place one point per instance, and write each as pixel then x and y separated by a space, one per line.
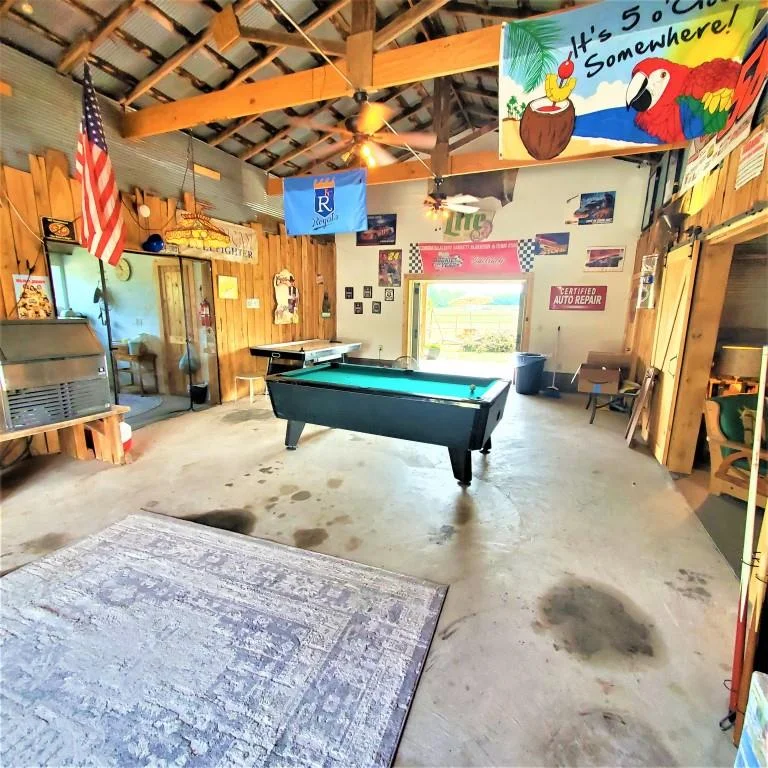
pixel 353 542
pixel 339 519
pixel 228 485
pixel 587 619
pixel 465 508
pixel 444 535
pixel 265 470
pixel 238 417
pixel 306 538
pixel 334 482
pixel 691 584
pixel 262 481
pixel 237 520
pixel 301 496
pixel 42 545
pixel 151 504
pixel 600 737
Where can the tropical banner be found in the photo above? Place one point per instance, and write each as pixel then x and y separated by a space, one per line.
pixel 619 75
pixel 324 205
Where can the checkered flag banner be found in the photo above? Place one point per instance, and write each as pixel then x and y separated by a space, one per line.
pixel 526 253
pixel 415 265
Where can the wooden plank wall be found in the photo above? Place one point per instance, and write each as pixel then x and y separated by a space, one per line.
pixel 49 190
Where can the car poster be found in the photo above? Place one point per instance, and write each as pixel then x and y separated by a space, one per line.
pixel 382 230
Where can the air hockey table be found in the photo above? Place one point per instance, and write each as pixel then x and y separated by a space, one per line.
pixel 300 354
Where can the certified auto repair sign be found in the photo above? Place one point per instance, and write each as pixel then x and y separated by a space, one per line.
pixel 585 298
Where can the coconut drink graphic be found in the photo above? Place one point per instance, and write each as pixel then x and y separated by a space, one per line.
pixel 548 122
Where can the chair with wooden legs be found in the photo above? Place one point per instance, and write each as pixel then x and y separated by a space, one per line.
pixel 730 454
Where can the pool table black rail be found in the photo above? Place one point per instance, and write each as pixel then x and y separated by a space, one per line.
pixel 488 397
pixel 461 425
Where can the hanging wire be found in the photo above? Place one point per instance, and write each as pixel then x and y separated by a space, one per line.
pixel 341 74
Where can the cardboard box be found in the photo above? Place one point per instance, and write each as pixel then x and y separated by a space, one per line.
pixel 597 379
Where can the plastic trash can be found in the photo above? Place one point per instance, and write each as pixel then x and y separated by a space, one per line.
pixel 529 372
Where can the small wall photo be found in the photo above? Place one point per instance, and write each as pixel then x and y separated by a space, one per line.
pixel 604 259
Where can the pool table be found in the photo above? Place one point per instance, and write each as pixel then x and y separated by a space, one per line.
pixel 459 412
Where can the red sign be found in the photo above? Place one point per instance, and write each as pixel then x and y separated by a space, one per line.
pixel 586 298
pixel 482 258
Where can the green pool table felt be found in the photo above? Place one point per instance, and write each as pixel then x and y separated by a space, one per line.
pixel 394 381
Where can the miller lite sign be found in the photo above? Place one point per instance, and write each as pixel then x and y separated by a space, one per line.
pixel 323 205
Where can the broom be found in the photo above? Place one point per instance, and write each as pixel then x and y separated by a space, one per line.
pixel 552 390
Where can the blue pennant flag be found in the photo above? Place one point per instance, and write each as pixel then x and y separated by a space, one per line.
pixel 322 205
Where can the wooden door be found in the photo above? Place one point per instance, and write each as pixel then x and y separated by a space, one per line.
pixel 671 328
pixel 173 323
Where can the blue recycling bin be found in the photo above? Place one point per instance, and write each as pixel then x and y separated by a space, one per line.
pixel 529 372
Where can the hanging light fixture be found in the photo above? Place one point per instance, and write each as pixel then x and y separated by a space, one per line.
pixel 196 229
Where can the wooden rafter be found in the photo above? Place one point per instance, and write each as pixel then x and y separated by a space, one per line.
pixel 79 50
pixel 6 6
pixel 494 13
pixel 406 21
pixel 476 134
pixel 413 63
pixel 479 92
pixel 291 40
pixel 250 69
pixel 178 58
pixel 322 16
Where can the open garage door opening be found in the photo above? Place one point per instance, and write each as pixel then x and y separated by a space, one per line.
pixel 471 327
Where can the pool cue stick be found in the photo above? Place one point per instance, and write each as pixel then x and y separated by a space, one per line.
pixel 748 549
pixel 756 590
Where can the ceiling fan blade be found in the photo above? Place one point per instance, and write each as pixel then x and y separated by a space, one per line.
pixel 305 122
pixel 380 155
pixel 461 199
pixel 326 151
pixel 462 208
pixel 372 116
pixel 415 139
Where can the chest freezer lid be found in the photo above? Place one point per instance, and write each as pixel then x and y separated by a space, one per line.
pixel 30 340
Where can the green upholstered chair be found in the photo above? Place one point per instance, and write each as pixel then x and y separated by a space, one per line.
pixel 730 451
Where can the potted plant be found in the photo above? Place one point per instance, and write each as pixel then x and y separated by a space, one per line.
pixel 433 351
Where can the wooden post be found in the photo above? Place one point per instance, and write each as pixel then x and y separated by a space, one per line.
pixel 360 44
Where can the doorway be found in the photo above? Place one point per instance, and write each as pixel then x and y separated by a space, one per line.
pixel 467 326
pixel 154 317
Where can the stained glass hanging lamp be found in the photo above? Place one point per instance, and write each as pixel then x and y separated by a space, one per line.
pixel 196 230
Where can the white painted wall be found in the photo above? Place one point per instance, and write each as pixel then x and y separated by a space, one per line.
pixel 539 206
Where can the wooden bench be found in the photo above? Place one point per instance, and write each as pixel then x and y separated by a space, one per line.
pixel 68 437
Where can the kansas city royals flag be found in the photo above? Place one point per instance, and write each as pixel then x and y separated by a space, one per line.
pixel 322 205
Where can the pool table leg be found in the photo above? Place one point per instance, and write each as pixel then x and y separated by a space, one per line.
pixel 461 462
pixel 293 433
pixel 486 447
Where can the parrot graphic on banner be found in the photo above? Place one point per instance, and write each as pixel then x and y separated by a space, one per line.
pixel 675 102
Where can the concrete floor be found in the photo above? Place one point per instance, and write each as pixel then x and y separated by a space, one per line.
pixel 589 618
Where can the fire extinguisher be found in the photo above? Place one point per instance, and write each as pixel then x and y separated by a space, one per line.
pixel 205 314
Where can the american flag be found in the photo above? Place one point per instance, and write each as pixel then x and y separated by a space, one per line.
pixel 103 226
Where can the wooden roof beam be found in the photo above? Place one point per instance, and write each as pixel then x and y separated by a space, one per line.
pixel 249 69
pixel 298 152
pixel 201 39
pixel 458 165
pixel 80 49
pixel 406 21
pixel 291 40
pixel 470 91
pixel 412 63
pixel 476 134
pixel 6 6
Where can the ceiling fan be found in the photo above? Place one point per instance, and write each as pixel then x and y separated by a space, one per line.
pixel 438 204
pixel 362 137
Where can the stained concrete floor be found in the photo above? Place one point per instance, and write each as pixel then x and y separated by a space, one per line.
pixel 589 616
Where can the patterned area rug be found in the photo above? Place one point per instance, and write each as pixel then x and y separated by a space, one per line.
pixel 161 642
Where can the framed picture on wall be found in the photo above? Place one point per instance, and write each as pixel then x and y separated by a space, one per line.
pixel 358 307
pixel 382 228
pixel 604 258
pixel 376 307
pixel 349 292
pixel 367 291
pixel 390 268
pixel 389 294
